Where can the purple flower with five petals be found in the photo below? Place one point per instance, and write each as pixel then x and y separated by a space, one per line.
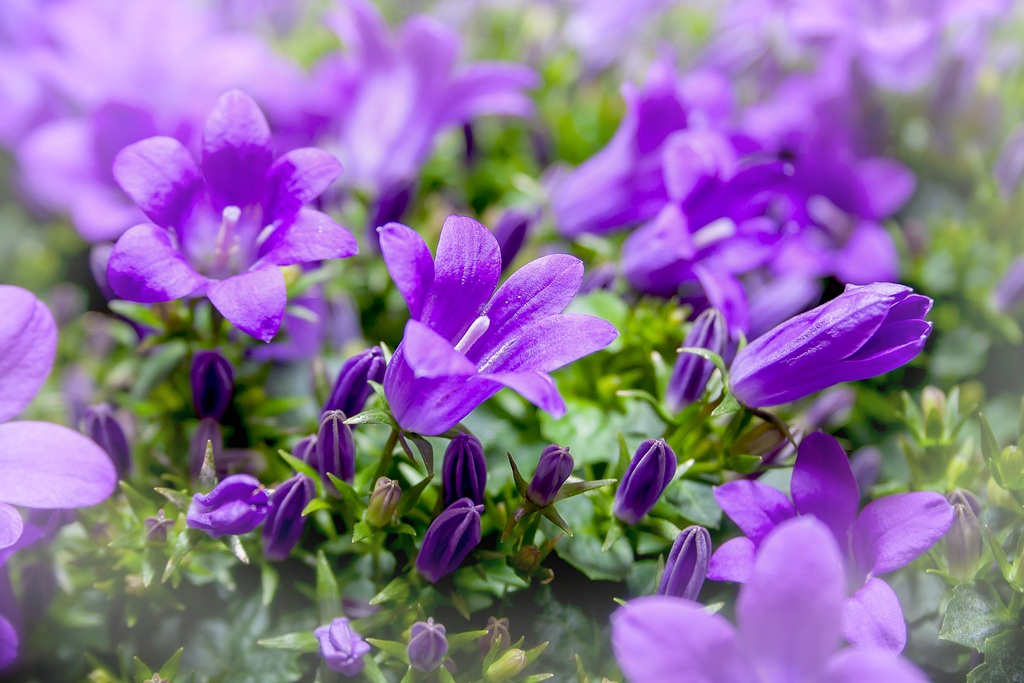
pixel 465 340
pixel 224 227
pixel 887 534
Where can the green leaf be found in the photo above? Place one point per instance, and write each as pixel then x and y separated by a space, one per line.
pixel 426 452
pixel 362 531
pixel 990 448
pixel 444 675
pixel 457 640
pixel 717 360
pixel 269 581
pixel 140 670
pixel 411 497
pixel 728 405
pixel 374 416
pixel 234 544
pixel 208 472
pixel 1004 660
pixel 138 503
pixel 170 668
pixel 974 614
pixel 392 647
pixel 537 678
pixel 303 468
pixel 372 672
pixel 517 477
pixel 178 499
pixel 578 487
pixel 303 641
pixel 182 545
pixel 314 505
pixel 615 532
pixel 328 595
pixel 397 590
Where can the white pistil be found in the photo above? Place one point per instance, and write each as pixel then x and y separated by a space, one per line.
pixel 227 242
pixel 475 331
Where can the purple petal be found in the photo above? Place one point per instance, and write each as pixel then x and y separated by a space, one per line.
pixel 252 301
pixel 756 508
pixel 431 356
pixel 313 236
pixel 549 343
pixel 789 610
pixel 297 178
pixel 733 561
pixel 409 261
pixel 658 639
pixel 889 184
pixel 47 466
pixel 161 177
pixel 893 531
pixel 236 151
pixel 823 485
pixel 536 387
pixel 11 526
pixel 868 256
pixel 145 266
pixel 8 643
pixel 860 664
pixel 873 617
pixel 28 343
pixel 490 88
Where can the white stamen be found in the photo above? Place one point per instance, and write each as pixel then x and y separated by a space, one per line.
pixel 475 331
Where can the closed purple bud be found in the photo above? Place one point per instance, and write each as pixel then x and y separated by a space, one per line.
pixel 1009 293
pixel 352 387
pixel 305 449
pixel 687 564
pixel 464 471
pixel 649 473
pixel 427 645
pixel 691 373
pixel 341 647
pixel 285 522
pixel 101 426
pixel 497 632
pixel 335 449
pixel 237 505
pixel 383 502
pixel 213 384
pixel 553 468
pixel 449 539
pixel 510 232
pixel 963 540
pixel 157 525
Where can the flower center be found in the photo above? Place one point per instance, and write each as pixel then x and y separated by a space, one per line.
pixel 473 334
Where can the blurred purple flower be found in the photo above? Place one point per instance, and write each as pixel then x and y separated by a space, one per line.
pixel 341 647
pixel 284 523
pixel 1008 295
pixel 237 505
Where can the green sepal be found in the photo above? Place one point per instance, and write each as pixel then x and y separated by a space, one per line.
pixel 302 641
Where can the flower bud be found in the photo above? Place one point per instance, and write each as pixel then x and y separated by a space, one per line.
pixel 528 558
pixel 963 540
pixel 449 539
pixel 464 471
pixel 352 387
pixel 649 473
pixel 156 526
pixel 497 632
pixel 285 522
pixel 101 426
pixel 427 645
pixel 341 647
pixel 213 384
pixel 553 468
pixel 691 372
pixel 507 666
pixel 1011 467
pixel 510 232
pixel 305 450
pixel 208 431
pixel 237 505
pixel 687 564
pixel 383 502
pixel 335 449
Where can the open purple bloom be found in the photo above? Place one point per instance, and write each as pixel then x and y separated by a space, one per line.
pixel 237 505
pixel 222 228
pixel 887 534
pixel 788 625
pixel 465 340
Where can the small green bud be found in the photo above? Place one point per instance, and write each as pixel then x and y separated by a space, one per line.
pixel 383 502
pixel 506 666
pixel 1011 467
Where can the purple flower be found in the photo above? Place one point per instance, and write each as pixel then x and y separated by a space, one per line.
pixel 464 470
pixel 691 372
pixel 335 448
pixel 427 645
pixel 224 227
pixel 864 332
pixel 284 523
pixel 788 625
pixel 341 647
pixel 213 384
pixel 449 539
pixel 887 534
pixel 553 468
pixel 1009 293
pixel 352 387
pixel 511 232
pixel 465 340
pixel 305 449
pixel 237 505
pixel 687 564
pixel 649 473
pixel 102 426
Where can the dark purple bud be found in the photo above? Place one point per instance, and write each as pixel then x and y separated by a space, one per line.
pixel 866 464
pixel 687 564
pixel 335 449
pixel 305 449
pixel 98 258
pixel 511 231
pixel 691 373
pixel 208 431
pixel 601 277
pixel 357 608
pixel 470 140
pixel 449 539
pixel 341 647
pixel 352 387
pixel 427 645
pixel 391 204
pixel 1009 293
pixel 285 522
pixel 963 540
pixel 497 632
pixel 383 502
pixel 553 468
pixel 464 471
pixel 237 505
pixel 649 473
pixel 213 384
pixel 157 526
pixel 102 426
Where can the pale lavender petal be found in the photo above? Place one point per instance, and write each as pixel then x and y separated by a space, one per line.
pixel 861 664
pixel 549 343
pixel 28 344
pixel 252 301
pixel 895 530
pixel 47 466
pixel 756 508
pixel 733 561
pixel 161 177
pixel 823 485
pixel 145 266
pixel 873 617
pixel 490 88
pixel 297 178
pixel 8 643
pixel 409 261
pixel 889 185
pixel 536 387
pixel 236 151
pixel 869 255
pixel 312 236
pixel 11 526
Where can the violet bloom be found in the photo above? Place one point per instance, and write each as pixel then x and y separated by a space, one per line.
pixel 102 426
pixel 691 373
pixel 284 523
pixel 352 388
pixel 553 468
pixel 42 466
pixel 687 564
pixel 464 470
pixel 788 625
pixel 864 332
pixel 465 340
pixel 887 534
pixel 341 647
pixel 650 471
pixel 213 384
pixel 237 505
pixel 449 539
pixel 224 227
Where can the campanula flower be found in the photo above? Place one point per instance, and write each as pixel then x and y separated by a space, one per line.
pixel 464 470
pixel 553 468
pixel 352 387
pixel 649 473
pixel 213 384
pixel 335 448
pixel 237 505
pixel 510 231
pixel 465 340
pixel 427 645
pixel 341 647
pixel 222 228
pixel 691 373
pixel 103 427
pixel 449 539
pixel 284 523
pixel 687 564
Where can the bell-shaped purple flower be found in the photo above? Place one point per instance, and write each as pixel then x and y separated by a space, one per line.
pixel 103 427
pixel 449 539
pixel 691 372
pixel 687 564
pixel 284 524
pixel 465 340
pixel 224 227
pixel 341 647
pixel 237 505
pixel 352 387
pixel 864 332
pixel 649 473
pixel 464 470
pixel 213 384
pixel 553 468
pixel 427 645
pixel 335 448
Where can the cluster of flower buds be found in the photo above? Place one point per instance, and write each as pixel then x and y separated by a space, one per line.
pixel 649 473
pixel 553 468
pixel 383 502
